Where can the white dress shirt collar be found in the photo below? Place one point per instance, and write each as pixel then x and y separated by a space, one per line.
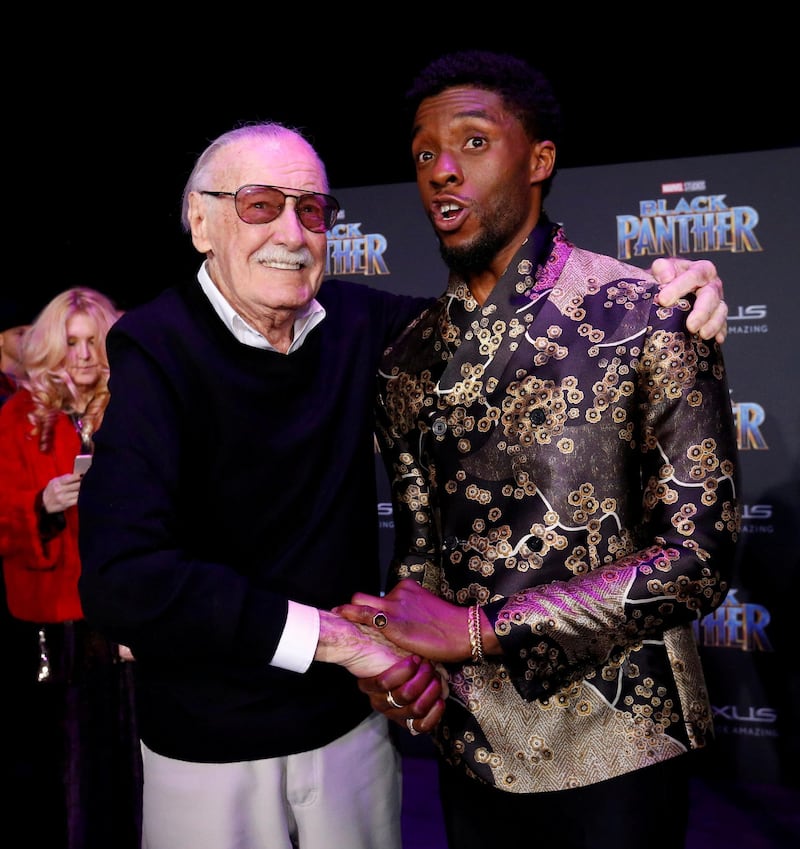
pixel 305 320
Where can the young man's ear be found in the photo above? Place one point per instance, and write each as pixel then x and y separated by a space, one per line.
pixel 543 160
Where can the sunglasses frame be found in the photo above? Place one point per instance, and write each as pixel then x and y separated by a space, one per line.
pixel 331 205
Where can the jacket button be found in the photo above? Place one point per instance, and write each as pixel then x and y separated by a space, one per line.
pixel 538 415
pixel 439 427
pixel 536 544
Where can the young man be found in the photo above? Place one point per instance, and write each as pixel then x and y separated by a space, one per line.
pixel 563 465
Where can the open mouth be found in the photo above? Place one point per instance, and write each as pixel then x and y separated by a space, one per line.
pixel 448 211
pixel 448 215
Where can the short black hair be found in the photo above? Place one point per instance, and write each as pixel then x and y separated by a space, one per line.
pixel 524 90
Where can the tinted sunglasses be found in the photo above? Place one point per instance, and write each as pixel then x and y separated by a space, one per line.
pixel 261 204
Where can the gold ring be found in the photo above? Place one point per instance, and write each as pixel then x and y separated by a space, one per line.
pixel 391 699
pixel 380 619
pixel 410 726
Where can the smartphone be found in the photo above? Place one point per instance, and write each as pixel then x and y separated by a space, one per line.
pixel 82 463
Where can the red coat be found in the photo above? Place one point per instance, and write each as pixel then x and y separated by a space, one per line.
pixel 41 577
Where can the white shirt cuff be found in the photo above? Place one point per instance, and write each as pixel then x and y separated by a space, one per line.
pixel 299 640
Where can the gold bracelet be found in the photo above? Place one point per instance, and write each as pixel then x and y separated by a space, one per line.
pixel 474 630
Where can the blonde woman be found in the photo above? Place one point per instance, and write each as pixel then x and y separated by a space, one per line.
pixel 73 746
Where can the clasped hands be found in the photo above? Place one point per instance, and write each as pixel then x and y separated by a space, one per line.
pixel 426 631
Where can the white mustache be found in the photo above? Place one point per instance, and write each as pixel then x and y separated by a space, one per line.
pixel 284 259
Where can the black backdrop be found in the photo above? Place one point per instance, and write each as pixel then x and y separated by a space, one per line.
pixel 106 113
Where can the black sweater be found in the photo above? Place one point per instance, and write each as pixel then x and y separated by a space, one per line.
pixel 227 480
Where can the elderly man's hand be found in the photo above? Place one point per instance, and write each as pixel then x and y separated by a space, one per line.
pixel 679 277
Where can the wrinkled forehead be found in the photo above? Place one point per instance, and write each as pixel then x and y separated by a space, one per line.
pixel 460 104
pixel 286 161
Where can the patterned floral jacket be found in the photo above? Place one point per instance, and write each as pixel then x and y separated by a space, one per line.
pixel 565 455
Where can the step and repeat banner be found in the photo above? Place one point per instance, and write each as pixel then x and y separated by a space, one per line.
pixel 741 212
